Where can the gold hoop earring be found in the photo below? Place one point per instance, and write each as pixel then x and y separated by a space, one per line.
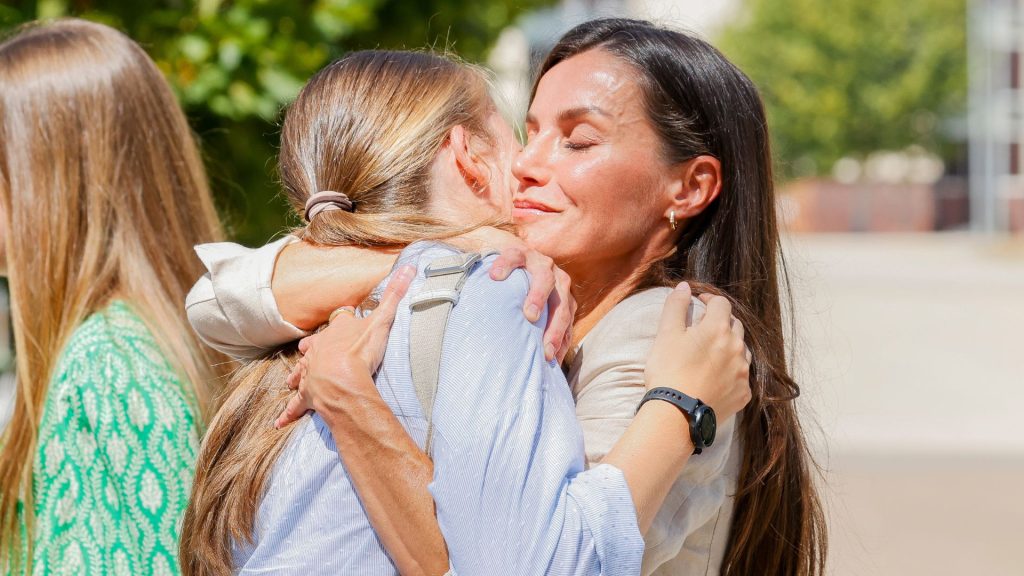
pixel 672 219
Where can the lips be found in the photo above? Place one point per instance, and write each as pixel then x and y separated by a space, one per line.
pixel 532 206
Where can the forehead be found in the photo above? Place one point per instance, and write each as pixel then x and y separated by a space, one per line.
pixel 592 79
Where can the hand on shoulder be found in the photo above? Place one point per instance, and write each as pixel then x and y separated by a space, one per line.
pixel 708 361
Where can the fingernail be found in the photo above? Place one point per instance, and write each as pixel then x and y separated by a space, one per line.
pixel 406 272
pixel 682 286
pixel 497 272
pixel 549 351
pixel 532 312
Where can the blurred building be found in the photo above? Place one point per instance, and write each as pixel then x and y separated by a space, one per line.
pixel 996 115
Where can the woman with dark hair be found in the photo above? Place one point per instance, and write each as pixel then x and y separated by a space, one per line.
pixel 505 441
pixel 710 128
pixel 647 162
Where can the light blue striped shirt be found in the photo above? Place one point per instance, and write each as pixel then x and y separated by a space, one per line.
pixel 509 484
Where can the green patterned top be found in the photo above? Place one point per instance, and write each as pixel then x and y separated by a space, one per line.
pixel 117 446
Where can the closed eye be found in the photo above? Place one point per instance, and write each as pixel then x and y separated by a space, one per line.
pixel 578 145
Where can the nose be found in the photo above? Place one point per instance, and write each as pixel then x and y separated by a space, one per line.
pixel 530 167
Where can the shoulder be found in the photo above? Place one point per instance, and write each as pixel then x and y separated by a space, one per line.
pixel 114 339
pixel 114 385
pixel 479 293
pixel 630 327
pixel 487 340
pixel 636 318
pixel 113 356
pixel 622 340
pixel 642 306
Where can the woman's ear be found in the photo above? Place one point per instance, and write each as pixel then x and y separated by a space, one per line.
pixel 470 165
pixel 697 184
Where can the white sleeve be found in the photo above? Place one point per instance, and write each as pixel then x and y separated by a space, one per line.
pixel 232 307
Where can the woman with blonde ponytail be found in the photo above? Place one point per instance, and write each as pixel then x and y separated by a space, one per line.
pixel 647 162
pixel 383 149
pixel 102 196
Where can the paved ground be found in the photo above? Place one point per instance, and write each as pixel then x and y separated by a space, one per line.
pixel 910 352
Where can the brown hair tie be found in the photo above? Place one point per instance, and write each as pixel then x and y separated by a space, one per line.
pixel 326 201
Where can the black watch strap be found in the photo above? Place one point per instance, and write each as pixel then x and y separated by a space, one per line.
pixel 682 401
pixel 686 404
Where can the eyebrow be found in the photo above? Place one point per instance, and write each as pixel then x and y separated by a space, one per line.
pixel 572 114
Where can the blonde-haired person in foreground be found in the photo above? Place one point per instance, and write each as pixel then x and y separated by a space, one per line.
pixel 102 196
pixel 384 149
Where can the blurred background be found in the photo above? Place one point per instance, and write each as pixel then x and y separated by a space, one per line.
pixel 899 140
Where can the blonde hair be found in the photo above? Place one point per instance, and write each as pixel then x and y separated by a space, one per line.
pixel 103 195
pixel 370 126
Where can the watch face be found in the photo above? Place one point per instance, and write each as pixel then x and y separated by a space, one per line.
pixel 708 426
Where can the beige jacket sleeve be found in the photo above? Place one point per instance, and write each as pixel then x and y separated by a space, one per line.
pixel 232 307
pixel 607 376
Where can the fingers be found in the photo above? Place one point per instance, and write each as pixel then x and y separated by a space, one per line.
pixel 373 342
pixel 393 294
pixel 567 338
pixel 561 309
pixel 350 310
pixel 295 409
pixel 305 343
pixel 563 350
pixel 542 284
pixel 542 276
pixel 737 328
pixel 719 310
pixel 673 315
pixel 509 259
pixel 739 333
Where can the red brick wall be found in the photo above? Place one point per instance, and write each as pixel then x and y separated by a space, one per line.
pixel 829 206
pixel 1017 215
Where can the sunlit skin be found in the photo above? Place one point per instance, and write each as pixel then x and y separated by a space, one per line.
pixel 592 189
pixel 485 165
pixel 595 190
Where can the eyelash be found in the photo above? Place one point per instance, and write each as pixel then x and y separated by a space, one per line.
pixel 579 147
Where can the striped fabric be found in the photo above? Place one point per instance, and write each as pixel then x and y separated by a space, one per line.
pixel 509 482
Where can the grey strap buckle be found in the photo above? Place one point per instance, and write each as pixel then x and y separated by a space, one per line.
pixel 470 259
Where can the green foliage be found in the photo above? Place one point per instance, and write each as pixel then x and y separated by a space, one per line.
pixel 236 63
pixel 848 77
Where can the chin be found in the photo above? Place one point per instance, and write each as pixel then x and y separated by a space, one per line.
pixel 547 242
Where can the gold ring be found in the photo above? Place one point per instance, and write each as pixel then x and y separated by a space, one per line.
pixel 347 309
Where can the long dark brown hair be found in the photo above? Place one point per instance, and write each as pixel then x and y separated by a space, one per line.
pixel 701 104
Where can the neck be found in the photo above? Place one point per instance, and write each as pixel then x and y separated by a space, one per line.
pixel 598 285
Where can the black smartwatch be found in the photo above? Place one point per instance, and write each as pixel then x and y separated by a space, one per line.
pixel 703 424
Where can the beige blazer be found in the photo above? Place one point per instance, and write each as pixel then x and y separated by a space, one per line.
pixel 689 533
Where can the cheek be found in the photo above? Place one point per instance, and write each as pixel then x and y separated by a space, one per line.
pixel 614 197
pixel 611 211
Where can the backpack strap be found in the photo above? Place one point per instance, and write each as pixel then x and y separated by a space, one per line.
pixel 430 310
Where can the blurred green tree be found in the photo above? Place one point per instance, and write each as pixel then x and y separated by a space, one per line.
pixel 849 77
pixel 236 63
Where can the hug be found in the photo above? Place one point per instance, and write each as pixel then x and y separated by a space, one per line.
pixel 478 354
